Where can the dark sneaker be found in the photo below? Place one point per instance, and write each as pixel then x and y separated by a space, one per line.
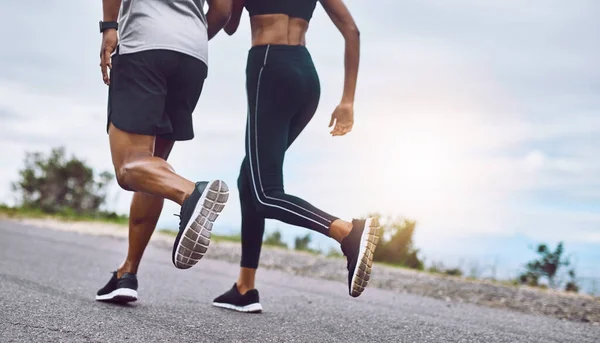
pixel 233 300
pixel 198 213
pixel 121 290
pixel 359 247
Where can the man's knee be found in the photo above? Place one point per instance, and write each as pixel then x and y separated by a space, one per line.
pixel 122 173
pixel 125 168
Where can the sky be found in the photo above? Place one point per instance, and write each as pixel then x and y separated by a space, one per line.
pixel 475 118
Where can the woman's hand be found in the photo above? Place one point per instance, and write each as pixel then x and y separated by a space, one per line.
pixel 343 119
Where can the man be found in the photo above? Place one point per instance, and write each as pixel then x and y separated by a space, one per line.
pixel 157 72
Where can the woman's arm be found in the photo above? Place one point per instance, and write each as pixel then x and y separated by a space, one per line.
pixel 236 14
pixel 341 17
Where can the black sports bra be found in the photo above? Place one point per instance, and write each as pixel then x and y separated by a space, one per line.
pixel 302 9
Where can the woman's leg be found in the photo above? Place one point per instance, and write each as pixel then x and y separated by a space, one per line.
pixel 272 127
pixel 252 222
pixel 276 91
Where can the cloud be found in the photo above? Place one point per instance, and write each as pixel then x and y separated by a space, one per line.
pixel 471 116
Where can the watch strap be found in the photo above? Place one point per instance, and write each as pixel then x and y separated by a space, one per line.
pixel 106 25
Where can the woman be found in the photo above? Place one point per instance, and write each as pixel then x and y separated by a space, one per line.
pixel 283 93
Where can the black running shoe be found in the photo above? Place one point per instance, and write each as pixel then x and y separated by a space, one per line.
pixel 198 213
pixel 121 290
pixel 359 247
pixel 233 300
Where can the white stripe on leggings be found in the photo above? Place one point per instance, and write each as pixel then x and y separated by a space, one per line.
pixel 257 160
pixel 258 169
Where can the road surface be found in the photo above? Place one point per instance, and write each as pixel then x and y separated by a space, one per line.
pixel 48 280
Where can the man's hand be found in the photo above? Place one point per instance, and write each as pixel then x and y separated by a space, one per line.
pixel 217 16
pixel 109 44
pixel 343 118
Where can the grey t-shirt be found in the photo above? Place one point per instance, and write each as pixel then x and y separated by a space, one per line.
pixel 178 25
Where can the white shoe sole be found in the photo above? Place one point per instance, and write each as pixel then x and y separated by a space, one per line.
pixel 122 295
pixel 252 308
pixel 364 262
pixel 195 238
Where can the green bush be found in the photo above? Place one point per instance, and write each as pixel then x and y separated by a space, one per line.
pixel 396 243
pixel 57 185
pixel 274 239
pixel 546 267
pixel 303 244
pixel 453 272
pixel 439 268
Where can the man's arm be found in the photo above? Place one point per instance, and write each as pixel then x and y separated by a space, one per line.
pixel 343 20
pixel 236 15
pixel 217 16
pixel 110 9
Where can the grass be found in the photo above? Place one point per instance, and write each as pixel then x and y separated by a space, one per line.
pixel 64 215
pixel 113 218
pixel 394 265
pixel 214 237
pixel 237 238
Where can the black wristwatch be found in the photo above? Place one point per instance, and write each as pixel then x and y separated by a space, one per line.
pixel 105 25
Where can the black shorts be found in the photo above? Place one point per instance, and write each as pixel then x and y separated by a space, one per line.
pixel 154 93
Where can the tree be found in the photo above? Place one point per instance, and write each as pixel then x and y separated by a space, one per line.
pixel 396 243
pixel 572 285
pixel 274 239
pixel 302 243
pixel 54 183
pixel 546 267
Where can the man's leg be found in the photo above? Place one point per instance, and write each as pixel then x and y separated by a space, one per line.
pixel 139 111
pixel 139 170
pixel 185 83
pixel 137 98
pixel 143 215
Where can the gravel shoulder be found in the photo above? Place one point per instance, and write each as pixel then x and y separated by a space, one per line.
pixel 560 305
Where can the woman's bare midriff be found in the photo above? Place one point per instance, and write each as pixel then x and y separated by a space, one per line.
pixel 278 29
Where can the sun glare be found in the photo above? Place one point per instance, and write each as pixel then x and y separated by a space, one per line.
pixel 421 168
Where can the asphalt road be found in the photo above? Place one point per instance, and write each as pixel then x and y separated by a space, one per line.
pixel 48 280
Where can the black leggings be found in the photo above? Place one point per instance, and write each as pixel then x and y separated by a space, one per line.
pixel 283 92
